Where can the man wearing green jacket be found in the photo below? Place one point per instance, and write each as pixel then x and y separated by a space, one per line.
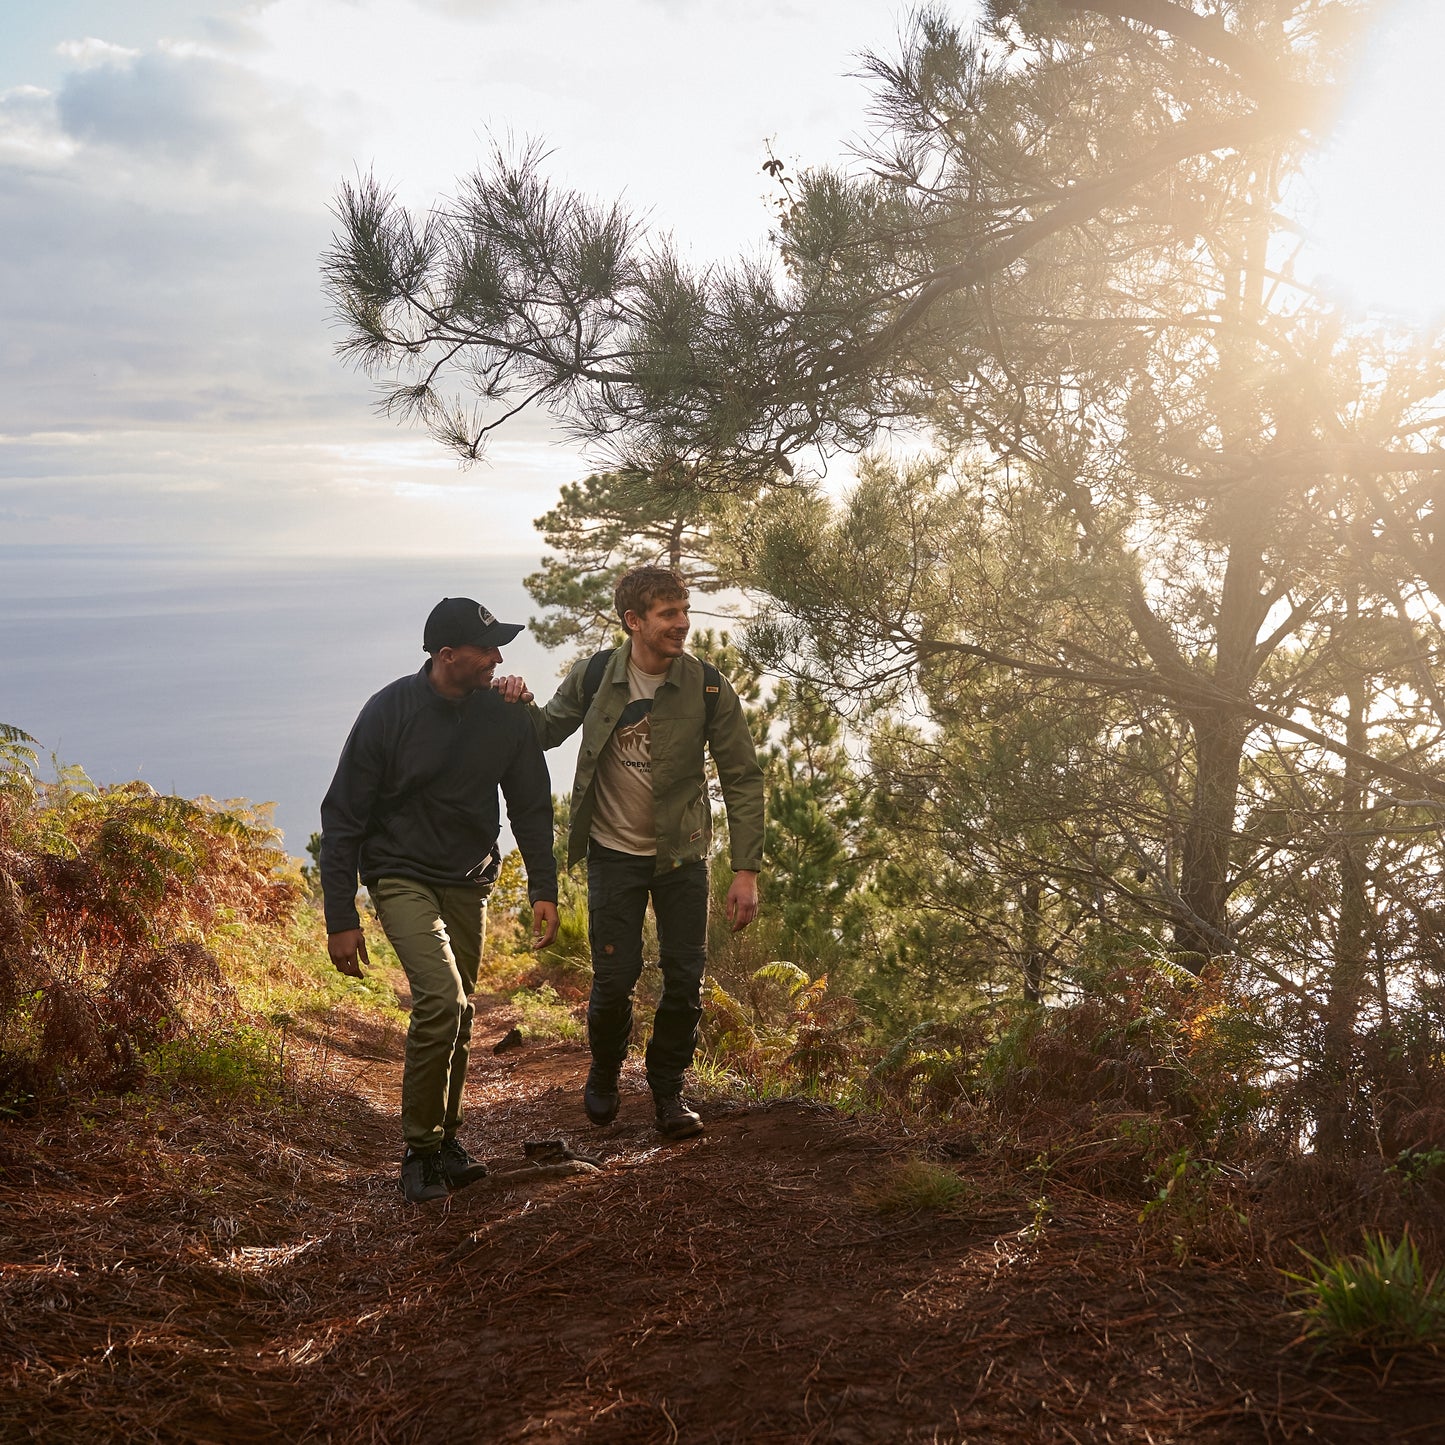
pixel 642 818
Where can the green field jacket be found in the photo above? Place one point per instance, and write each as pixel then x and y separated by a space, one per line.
pixel 680 732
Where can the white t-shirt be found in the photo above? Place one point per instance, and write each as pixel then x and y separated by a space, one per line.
pixel 623 814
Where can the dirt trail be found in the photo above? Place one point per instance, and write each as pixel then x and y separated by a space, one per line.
pixel 187 1281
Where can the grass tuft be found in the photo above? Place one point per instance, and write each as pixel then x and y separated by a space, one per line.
pixel 916 1184
pixel 1379 1300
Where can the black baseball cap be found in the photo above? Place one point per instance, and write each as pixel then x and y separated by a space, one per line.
pixel 460 622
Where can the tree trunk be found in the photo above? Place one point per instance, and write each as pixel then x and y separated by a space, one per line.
pixel 1244 603
pixel 1031 901
pixel 1204 887
pixel 1219 738
pixel 1350 974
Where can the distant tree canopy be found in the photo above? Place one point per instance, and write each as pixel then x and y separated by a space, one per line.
pixel 1145 646
pixel 613 521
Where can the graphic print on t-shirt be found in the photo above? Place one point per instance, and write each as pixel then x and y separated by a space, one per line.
pixel 633 735
pixel 623 815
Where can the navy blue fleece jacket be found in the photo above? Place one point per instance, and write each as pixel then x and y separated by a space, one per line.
pixel 415 795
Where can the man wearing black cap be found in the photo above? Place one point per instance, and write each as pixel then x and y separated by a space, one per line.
pixel 413 810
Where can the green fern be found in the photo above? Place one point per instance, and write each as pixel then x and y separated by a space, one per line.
pixel 1176 973
pixel 788 974
pixel 898 1056
pixel 729 1028
pixel 17 765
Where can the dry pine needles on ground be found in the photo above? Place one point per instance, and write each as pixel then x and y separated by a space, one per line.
pixel 173 1271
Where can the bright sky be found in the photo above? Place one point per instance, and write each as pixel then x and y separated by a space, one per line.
pixel 1381 178
pixel 165 173
pixel 166 168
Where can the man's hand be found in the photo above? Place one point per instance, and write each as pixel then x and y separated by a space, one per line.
pixel 544 923
pixel 348 951
pixel 513 689
pixel 742 904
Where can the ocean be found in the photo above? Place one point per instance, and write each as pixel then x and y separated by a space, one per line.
pixel 227 675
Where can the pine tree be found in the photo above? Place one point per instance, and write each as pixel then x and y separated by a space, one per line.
pixel 611 522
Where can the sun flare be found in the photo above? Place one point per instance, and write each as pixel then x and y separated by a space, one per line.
pixel 1379 208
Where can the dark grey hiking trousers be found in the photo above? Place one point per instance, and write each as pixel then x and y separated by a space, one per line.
pixel 619 886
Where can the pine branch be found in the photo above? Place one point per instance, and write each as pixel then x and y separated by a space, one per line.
pixel 1205 34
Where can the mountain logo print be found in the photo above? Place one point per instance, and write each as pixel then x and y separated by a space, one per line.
pixel 633 735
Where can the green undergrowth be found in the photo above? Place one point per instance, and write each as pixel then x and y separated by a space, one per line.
pixel 1138 1085
pixel 547 989
pixel 161 949
pixel 917 1184
pixel 543 1015
pixel 284 988
pixel 150 942
pixel 1382 1299
pixel 285 969
pixel 238 1064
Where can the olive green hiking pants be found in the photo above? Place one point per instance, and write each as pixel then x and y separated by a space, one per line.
pixel 437 934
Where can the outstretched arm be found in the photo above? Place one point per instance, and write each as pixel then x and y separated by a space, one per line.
pixel 562 714
pixel 513 688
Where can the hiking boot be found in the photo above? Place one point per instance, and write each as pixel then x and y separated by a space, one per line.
pixel 674 1118
pixel 457 1166
pixel 422 1178
pixel 600 1098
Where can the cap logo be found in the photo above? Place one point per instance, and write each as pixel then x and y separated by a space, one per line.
pixel 486 616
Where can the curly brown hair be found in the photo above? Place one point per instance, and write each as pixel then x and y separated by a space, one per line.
pixel 638 589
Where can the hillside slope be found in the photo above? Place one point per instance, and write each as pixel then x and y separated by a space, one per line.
pixel 173 1275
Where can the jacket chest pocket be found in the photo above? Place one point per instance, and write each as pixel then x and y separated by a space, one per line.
pixel 677 729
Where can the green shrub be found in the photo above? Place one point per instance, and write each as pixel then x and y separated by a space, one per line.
pixel 542 1015
pixel 783 1032
pixel 1379 1300
pixel 284 967
pixel 107 898
pixel 928 1069
pixel 1419 1166
pixel 241 1064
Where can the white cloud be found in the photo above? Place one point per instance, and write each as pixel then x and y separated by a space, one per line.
pixel 297 487
pixel 166 204
pixel 187 117
pixel 90 52
pixel 30 133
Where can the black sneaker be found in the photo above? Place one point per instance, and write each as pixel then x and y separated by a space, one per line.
pixel 422 1179
pixel 457 1166
pixel 674 1118
pixel 600 1098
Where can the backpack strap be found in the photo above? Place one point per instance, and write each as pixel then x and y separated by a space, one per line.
pixel 597 665
pixel 592 678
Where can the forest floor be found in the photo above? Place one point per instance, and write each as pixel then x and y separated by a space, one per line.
pixel 175 1272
